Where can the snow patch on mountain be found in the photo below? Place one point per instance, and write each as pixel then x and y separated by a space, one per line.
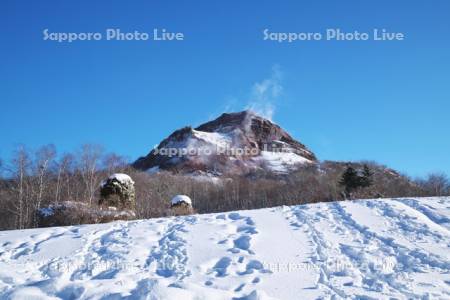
pixel 282 162
pixel 217 139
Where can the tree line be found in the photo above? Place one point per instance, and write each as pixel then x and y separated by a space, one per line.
pixel 31 180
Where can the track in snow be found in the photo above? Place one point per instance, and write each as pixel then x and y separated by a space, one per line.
pixel 366 249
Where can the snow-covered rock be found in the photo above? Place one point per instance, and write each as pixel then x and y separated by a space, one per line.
pixel 181 199
pixel 181 205
pixel 118 191
pixel 364 249
pixel 119 178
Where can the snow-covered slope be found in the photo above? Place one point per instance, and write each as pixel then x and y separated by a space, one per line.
pixel 371 249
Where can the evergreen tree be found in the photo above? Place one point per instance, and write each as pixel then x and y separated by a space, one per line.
pixel 366 178
pixel 350 180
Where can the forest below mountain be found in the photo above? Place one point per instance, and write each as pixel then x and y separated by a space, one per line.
pixel 31 180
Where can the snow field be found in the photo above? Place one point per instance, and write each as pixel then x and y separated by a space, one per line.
pixel 364 249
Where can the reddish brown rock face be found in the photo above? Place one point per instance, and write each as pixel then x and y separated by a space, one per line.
pixel 233 144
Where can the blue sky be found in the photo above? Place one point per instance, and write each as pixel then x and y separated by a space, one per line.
pixel 382 101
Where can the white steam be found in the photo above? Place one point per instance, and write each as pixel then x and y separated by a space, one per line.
pixel 265 94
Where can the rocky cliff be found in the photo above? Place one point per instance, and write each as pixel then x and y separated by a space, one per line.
pixel 233 144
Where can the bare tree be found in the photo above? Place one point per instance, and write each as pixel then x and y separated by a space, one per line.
pixel 113 162
pixel 89 161
pixel 62 176
pixel 20 171
pixel 44 158
pixel 437 184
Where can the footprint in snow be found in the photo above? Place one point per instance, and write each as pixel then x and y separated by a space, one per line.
pixel 240 287
pixel 242 243
pixel 247 229
pixel 250 222
pixel 221 217
pixel 252 266
pixel 221 266
pixel 234 216
pixel 208 283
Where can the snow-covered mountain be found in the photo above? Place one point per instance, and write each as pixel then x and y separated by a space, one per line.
pixel 233 144
pixel 366 249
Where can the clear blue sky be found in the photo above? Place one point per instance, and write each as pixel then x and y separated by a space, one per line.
pixel 383 101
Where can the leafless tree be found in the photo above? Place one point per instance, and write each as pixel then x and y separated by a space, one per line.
pixel 89 164
pixel 20 170
pixel 63 177
pixel 113 162
pixel 44 158
pixel 437 184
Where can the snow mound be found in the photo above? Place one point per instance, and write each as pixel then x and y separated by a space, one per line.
pixel 178 199
pixel 70 212
pixel 364 249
